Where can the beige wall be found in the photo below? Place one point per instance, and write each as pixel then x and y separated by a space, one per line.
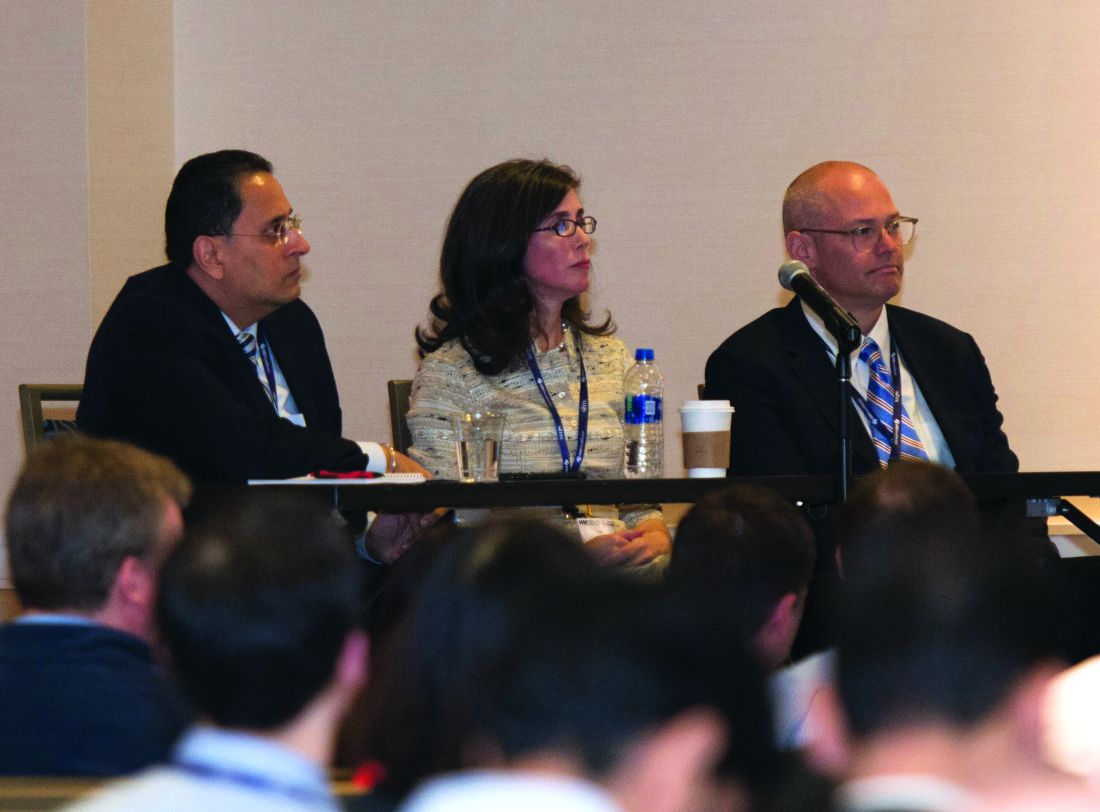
pixel 43 200
pixel 686 121
pixel 87 129
pixel 130 139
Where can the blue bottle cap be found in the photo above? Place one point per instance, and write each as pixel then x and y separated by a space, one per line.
pixel 643 354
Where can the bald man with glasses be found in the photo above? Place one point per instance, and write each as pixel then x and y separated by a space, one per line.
pixel 779 373
pixel 779 370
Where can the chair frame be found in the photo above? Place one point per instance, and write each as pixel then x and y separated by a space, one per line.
pixel 398 390
pixel 31 396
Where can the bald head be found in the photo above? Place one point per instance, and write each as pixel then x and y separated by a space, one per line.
pixel 820 210
pixel 806 203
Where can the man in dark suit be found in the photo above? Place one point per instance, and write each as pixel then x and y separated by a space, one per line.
pixel 779 372
pixel 213 359
pixel 89 524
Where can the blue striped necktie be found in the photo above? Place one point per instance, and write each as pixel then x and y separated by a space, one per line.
pixel 880 403
pixel 251 349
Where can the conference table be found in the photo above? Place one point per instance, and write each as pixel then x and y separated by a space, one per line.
pixel 1044 492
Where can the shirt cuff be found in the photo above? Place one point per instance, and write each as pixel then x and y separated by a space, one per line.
pixel 376 457
pixel 361 541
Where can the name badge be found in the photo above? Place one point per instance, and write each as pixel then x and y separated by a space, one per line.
pixel 591 526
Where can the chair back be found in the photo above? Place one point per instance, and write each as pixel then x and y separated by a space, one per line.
pixel 36 428
pixel 36 792
pixel 398 391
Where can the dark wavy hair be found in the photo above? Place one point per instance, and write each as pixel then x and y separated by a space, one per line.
pixel 485 301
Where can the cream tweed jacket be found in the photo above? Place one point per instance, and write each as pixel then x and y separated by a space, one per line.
pixel 447 383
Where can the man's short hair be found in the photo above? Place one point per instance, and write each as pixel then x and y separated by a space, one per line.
pixel 923 494
pixel 746 547
pixel 938 624
pixel 255 604
pixel 206 199
pixel 79 507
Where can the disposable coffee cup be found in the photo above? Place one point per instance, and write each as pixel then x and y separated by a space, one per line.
pixel 477 445
pixel 706 427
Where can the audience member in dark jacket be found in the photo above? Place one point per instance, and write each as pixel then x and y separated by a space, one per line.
pixel 88 524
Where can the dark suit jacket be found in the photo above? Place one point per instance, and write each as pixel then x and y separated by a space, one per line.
pixel 165 372
pixel 82 700
pixel 779 377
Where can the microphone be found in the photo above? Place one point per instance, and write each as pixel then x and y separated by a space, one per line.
pixel 795 276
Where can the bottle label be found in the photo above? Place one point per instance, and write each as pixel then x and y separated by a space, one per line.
pixel 642 409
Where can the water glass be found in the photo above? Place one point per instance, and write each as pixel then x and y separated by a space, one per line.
pixel 477 445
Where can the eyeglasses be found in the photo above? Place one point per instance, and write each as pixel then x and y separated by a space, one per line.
pixel 567 227
pixel 864 238
pixel 280 233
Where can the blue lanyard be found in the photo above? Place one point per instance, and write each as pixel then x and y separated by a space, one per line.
pixel 255 782
pixel 893 437
pixel 582 416
pixel 269 368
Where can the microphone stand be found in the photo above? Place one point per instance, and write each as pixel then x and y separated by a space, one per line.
pixel 847 339
pixel 794 275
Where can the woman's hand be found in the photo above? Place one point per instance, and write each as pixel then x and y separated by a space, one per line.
pixel 634 547
pixel 407 465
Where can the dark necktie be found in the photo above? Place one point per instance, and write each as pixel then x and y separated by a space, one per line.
pixel 252 350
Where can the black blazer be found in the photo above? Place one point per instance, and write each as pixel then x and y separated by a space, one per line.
pixel 779 377
pixel 165 372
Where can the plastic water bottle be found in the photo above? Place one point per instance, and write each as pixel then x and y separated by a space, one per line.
pixel 643 424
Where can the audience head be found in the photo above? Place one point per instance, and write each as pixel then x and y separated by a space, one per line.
pixel 751 551
pixel 940 625
pixel 259 606
pixel 206 199
pixel 929 498
pixel 521 648
pixel 89 523
pixel 419 705
pixel 641 690
pixel 489 295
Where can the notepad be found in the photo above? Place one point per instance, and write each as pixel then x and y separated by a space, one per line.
pixel 384 479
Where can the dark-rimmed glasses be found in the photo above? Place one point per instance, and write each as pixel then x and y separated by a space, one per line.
pixel 567 227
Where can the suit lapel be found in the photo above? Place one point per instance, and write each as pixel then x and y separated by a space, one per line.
pixel 927 369
pixel 286 349
pixel 283 346
pixel 226 342
pixel 809 359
